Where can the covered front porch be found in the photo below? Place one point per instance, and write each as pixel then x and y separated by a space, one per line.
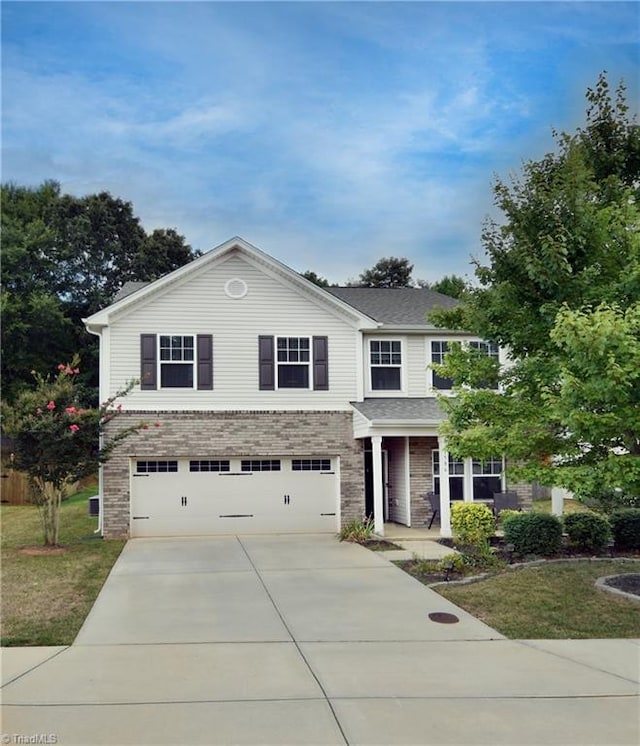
pixel 405 459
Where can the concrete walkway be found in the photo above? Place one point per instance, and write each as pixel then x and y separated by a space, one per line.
pixel 304 640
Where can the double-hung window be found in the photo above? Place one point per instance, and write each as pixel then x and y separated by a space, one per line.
pixel 176 361
pixel 293 361
pixel 439 349
pixel 487 477
pixel 385 363
pixel 491 350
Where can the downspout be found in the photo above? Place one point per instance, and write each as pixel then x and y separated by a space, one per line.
pixel 100 528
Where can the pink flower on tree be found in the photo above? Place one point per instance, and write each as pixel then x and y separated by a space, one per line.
pixel 38 411
pixel 74 428
pixel 62 366
pixel 51 405
pixel 70 410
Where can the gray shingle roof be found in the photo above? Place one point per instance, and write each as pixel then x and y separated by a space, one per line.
pixel 394 306
pixel 129 287
pixel 399 409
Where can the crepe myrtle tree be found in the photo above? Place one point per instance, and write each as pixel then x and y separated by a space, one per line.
pixel 56 441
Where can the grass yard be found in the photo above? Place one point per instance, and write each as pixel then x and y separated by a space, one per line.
pixel 46 597
pixel 551 601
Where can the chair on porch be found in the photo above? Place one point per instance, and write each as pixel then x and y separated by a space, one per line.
pixel 505 501
pixel 434 504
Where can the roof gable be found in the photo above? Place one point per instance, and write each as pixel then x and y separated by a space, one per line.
pixel 132 295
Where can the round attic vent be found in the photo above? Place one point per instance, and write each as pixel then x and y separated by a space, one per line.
pixel 236 288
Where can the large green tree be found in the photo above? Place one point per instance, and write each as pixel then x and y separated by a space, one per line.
pixel 63 258
pixel 388 272
pixel 561 291
pixel 452 285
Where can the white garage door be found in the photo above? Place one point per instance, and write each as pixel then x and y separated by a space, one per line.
pixel 200 496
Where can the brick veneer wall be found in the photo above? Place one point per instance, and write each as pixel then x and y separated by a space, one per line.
pixel 421 481
pixel 229 434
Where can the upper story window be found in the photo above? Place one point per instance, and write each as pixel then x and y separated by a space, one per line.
pixel 490 349
pixel 293 361
pixel 176 361
pixel 385 362
pixel 439 349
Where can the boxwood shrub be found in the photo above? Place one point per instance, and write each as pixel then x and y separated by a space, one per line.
pixel 533 533
pixel 626 528
pixel 587 531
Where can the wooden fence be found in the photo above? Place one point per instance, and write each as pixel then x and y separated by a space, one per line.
pixel 14 486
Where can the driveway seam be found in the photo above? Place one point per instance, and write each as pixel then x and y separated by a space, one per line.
pixel 295 642
pixel 33 668
pixel 578 662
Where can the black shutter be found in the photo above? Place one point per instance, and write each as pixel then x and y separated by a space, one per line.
pixel 148 362
pixel 321 363
pixel 266 364
pixel 205 361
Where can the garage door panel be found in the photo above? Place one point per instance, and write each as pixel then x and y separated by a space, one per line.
pixel 203 497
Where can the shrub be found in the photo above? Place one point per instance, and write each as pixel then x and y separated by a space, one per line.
pixel 451 562
pixel 533 533
pixel 472 523
pixel 507 513
pixel 587 531
pixel 626 528
pixel 358 531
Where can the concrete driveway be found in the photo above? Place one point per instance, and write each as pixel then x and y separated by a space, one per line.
pixel 304 640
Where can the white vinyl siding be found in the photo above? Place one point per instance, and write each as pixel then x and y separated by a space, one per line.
pixel 270 307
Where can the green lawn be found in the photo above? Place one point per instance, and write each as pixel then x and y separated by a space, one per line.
pixel 551 601
pixel 46 597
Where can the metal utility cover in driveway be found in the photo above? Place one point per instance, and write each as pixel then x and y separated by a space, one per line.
pixel 305 640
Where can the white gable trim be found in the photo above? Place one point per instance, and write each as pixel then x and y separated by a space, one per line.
pixel 254 256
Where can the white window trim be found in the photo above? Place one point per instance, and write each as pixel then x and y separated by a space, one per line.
pixel 467 477
pixel 308 363
pixel 193 362
pixel 403 367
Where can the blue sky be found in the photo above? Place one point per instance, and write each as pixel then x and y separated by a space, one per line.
pixel 328 134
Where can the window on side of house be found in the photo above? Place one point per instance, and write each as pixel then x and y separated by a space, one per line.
pixel 293 361
pixel 385 362
pixel 176 361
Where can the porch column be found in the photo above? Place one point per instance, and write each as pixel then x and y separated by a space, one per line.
pixel 445 505
pixel 558 495
pixel 378 487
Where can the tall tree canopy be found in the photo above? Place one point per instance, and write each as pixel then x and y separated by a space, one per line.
pixel 452 285
pixel 388 272
pixel 561 291
pixel 63 258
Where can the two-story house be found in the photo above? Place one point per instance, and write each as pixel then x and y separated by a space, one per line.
pixel 274 405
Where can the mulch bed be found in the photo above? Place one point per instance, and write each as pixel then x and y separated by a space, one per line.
pixel 629 582
pixel 380 545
